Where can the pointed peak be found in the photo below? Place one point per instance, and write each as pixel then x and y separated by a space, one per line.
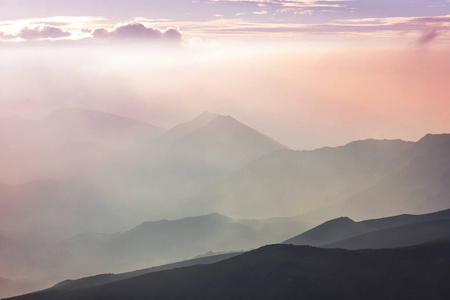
pixel 434 138
pixel 228 120
pixel 208 114
pixel 204 118
pixel 428 142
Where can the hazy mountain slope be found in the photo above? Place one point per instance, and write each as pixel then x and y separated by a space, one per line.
pixel 223 143
pixel 93 126
pixel 292 272
pixel 15 259
pixel 220 146
pixel 35 216
pixel 288 181
pixel 58 145
pixel 9 288
pixel 420 186
pixel 395 237
pixel 181 163
pixel 343 228
pixel 49 210
pixel 164 241
pixel 179 131
pixel 108 278
pixel 428 142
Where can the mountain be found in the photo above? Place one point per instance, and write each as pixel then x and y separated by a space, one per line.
pixel 210 145
pixel 181 163
pixel 428 142
pixel 9 288
pixel 343 228
pixel 396 237
pixel 56 146
pixel 290 272
pixel 108 278
pixel 421 186
pixel 165 241
pixel 111 130
pixel 287 181
pixel 181 130
pixel 49 210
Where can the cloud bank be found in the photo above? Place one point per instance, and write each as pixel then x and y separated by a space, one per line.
pixel 42 32
pixel 138 31
pixel 128 31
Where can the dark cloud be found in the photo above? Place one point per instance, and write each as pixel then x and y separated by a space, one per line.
pixel 428 36
pixel 42 32
pixel 138 31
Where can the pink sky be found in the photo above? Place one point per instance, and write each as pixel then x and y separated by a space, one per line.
pixel 308 73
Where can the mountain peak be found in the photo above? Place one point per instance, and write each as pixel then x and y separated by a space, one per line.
pixel 434 139
pixel 207 115
pixel 429 141
pixel 201 120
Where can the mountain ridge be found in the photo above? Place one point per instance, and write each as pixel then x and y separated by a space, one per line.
pixel 290 272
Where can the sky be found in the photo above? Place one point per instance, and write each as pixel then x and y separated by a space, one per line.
pixel 307 73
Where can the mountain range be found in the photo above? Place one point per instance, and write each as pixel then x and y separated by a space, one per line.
pixel 289 272
pixel 391 232
pixel 78 180
pixel 150 243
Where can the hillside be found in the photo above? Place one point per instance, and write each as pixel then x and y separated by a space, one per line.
pixel 291 272
pixel 396 237
pixel 343 228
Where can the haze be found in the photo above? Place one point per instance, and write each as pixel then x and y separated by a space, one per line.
pixel 141 133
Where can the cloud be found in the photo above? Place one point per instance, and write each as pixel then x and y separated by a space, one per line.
pixel 428 36
pixel 137 31
pixel 42 32
pixel 4 36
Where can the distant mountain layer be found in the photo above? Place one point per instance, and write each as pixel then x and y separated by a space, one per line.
pixel 151 243
pixel 395 237
pixel 363 179
pixel 10 288
pixel 290 272
pixel 166 241
pixel 211 144
pixel 67 142
pixel 286 180
pixel 331 232
pixel 421 185
pixel 108 278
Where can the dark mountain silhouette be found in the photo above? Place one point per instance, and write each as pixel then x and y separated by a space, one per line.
pixel 396 237
pixel 291 272
pixel 344 228
pixel 114 173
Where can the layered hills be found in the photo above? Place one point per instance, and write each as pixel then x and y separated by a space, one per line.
pixel 290 272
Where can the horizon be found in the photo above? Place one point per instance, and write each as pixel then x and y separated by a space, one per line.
pixel 342 143
pixel 140 133
pixel 309 73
